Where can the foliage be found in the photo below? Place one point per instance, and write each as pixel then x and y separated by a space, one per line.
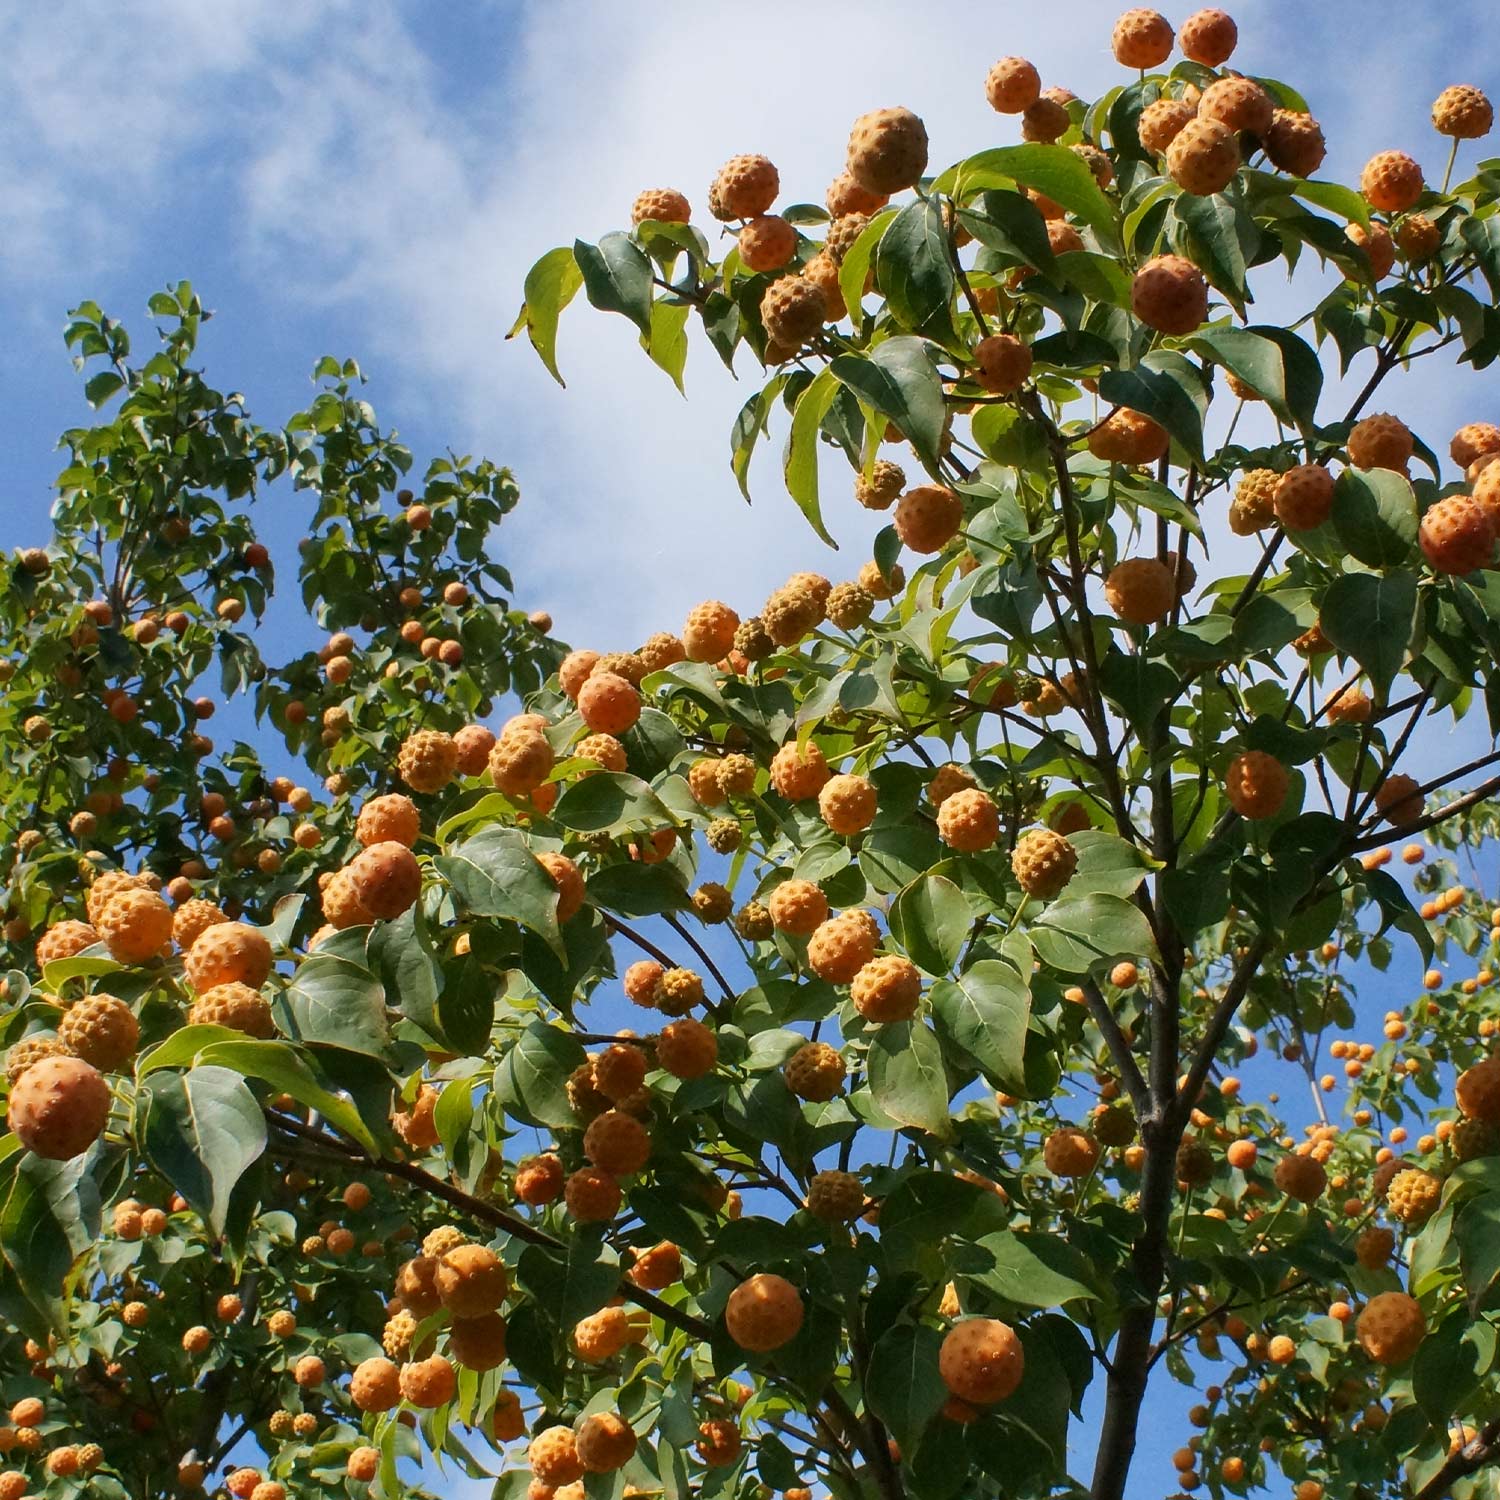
pixel 962 915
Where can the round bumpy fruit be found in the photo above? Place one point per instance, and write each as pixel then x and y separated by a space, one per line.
pixel 1381 442
pixel 391 818
pixel 228 953
pixel 887 150
pixel 839 948
pixel 101 1030
pixel 617 1142
pixel 568 879
pixel 1012 85
pixel 1004 363
pixel 1301 1177
pixel 30 1050
pixel 981 1360
pixel 387 879
pixel 428 1382
pixel 592 1196
pixel 718 1443
pixel 1413 1195
pixel 1129 437
pixel 664 205
pixel 847 804
pixel 375 1385
pixel 1294 142
pixel 1208 37
pixel 887 989
pixel 928 517
pixel 193 918
pixel 428 760
pixel 64 940
pixel 1170 295
pixel 1256 784
pixel 59 1107
pixel 1140 590
pixel 1477 1091
pixel 135 925
pixel 1043 863
pixel 1463 112
pixel 793 309
pixel 1391 182
pixel 658 1267
pixel 836 1197
pixel 1379 248
pixel 539 1179
pixel 767 243
pixel 1390 1327
pixel 553 1457
pixel 471 1281
pixel 1162 120
pixel 605 1442
pixel 708 634
pixel 478 1343
pixel 968 820
pixel 1457 535
pixel 815 1072
pixel 1203 157
pixel 1239 104
pixel 1070 1152
pixel 743 187
pixel 687 1048
pixel 1304 497
pixel 798 772
pixel 1399 800
pixel 763 1313
pixel 881 489
pixel 849 606
pixel 236 1006
pixel 609 704
pixel 473 744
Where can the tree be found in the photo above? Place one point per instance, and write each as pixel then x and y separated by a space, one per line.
pixel 963 915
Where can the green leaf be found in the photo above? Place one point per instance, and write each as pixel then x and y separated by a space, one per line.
pixel 617 277
pixel 572 1284
pixel 550 285
pixel 914 271
pixel 1369 617
pixel 902 1385
pixel 983 1014
pixel 1168 389
pixel 802 444
pixel 1449 1365
pixel 531 1082
pixel 1031 1270
pixel 48 1218
pixel 495 874
pixel 1375 515
pixel 99 388
pixel 1273 362
pixel 907 1077
pixel 1107 865
pixel 749 427
pixel 1335 197
pixel 854 269
pixel 927 1208
pixel 1478 1231
pixel 1072 936
pixel 667 342
pixel 1221 237
pixel 1052 170
pixel 636 890
pixel 608 802
pixel 930 919
pixel 335 998
pixel 898 379
pixel 201 1130
pixel 280 1065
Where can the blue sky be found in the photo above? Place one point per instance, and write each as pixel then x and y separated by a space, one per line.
pixel 373 179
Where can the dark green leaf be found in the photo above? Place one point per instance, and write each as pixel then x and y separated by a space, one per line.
pixel 335 998
pixel 907 1077
pixel 983 1014
pixel 1369 617
pixel 898 379
pixel 531 1082
pixel 495 874
pixel 914 271
pixel 930 919
pixel 1375 515
pixel 617 277
pixel 1072 936
pixel 902 1384
pixel 1168 389
pixel 608 802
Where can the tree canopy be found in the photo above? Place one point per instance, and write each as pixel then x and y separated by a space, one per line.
pixel 969 894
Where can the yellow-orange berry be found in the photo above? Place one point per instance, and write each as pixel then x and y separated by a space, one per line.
pixel 743 187
pixel 1294 142
pixel 1390 1326
pixel 592 1195
pixel 605 1442
pixel 1463 112
pixel 887 150
pixel 1004 363
pixel 1142 38
pixel 59 1107
pixel 1162 120
pixel 193 918
pixel 1457 535
pixel 928 517
pixel 1128 437
pixel 767 242
pixel 1256 784
pixel 1140 590
pixel 1012 84
pixel 798 773
pixel 663 205
pixel 101 1030
pixel 763 1313
pixel 1391 182
pixel 793 308
pixel 428 760
pixel 428 1382
pixel 839 948
pixel 609 704
pixel 1170 294
pixel 981 1360
pixel 1381 442
pixel 236 1006
pixel 1239 104
pixel 1043 863
pixel 815 1071
pixel 887 989
pixel 1070 1152
pixel 1303 497
pixel 1301 1177
pixel 391 818
pixel 136 925
pixel 968 820
pixel 708 634
pixel 228 953
pixel 1209 37
pixel 687 1048
pixel 836 1197
pixel 1203 157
